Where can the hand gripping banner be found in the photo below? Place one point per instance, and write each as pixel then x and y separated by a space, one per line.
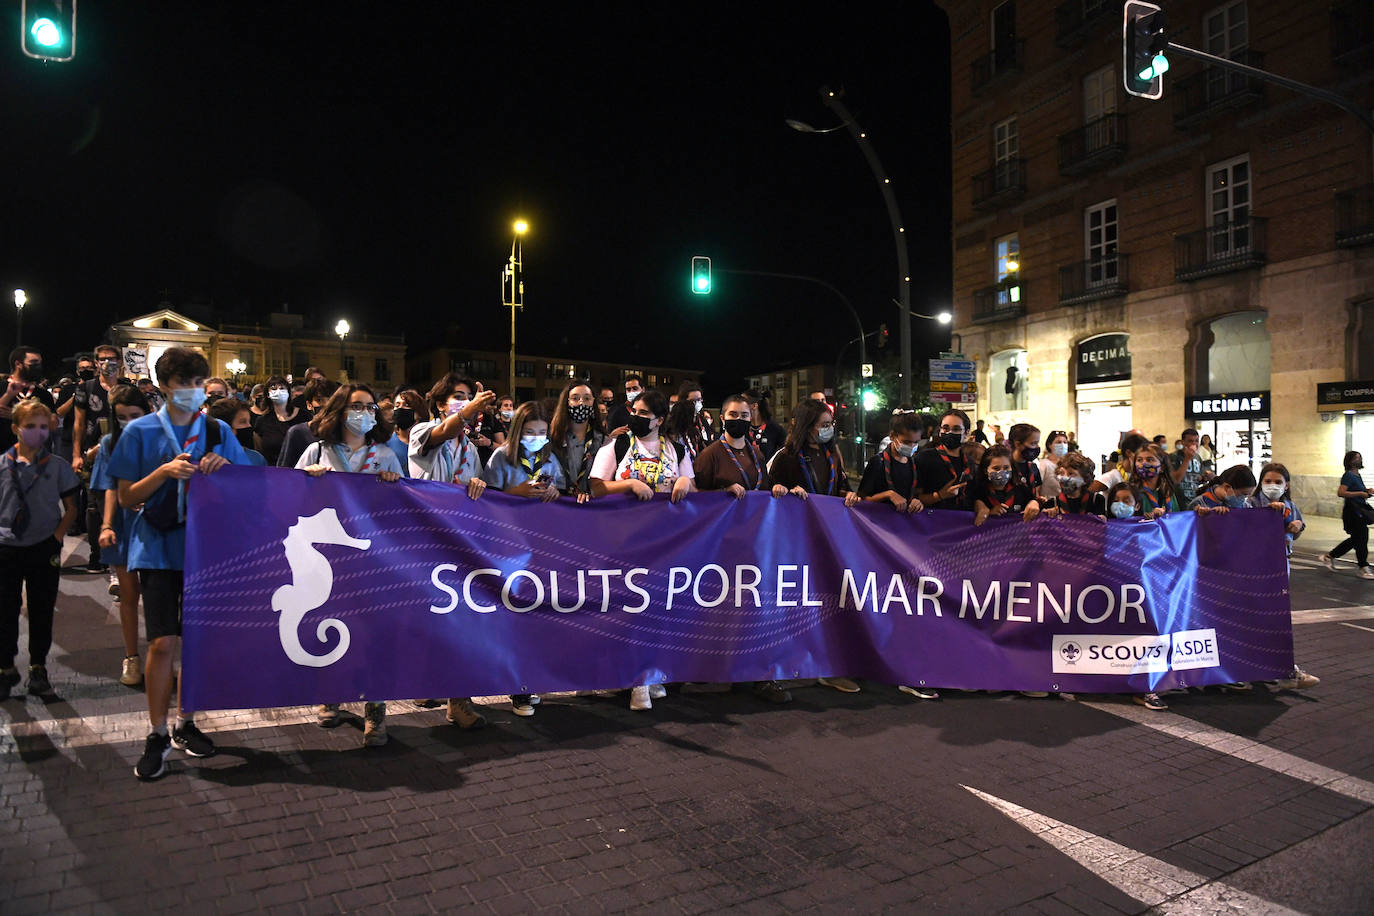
pixel 339 588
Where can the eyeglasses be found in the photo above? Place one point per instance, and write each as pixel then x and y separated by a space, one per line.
pixel 361 408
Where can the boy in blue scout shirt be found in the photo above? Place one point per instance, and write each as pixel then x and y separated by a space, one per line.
pixel 152 462
pixel 37 506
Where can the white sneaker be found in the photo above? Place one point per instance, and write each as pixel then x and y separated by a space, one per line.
pixel 657 691
pixel 1366 572
pixel 114 586
pixel 132 674
pixel 639 698
pixel 1298 680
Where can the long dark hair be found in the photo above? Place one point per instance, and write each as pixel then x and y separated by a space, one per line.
pixel 804 418
pixel 328 423
pixel 562 423
pixel 684 423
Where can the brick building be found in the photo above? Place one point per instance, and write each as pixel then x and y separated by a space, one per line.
pixel 539 376
pixel 1200 260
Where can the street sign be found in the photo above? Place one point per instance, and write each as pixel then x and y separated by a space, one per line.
pixel 949 375
pixel 866 370
pixel 970 387
pixel 951 397
pixel 957 365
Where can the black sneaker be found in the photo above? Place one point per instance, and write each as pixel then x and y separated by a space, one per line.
pixel 153 763
pixel 8 678
pixel 94 569
pixel 772 692
pixel 192 741
pixel 39 685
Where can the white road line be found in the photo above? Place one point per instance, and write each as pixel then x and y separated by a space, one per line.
pixel 1151 881
pixel 1356 626
pixel 1328 614
pixel 1243 749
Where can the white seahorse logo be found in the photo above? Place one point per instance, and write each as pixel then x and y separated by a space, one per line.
pixel 312 579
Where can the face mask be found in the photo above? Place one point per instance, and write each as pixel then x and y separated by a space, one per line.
pixel 904 450
pixel 1030 452
pixel 580 413
pixel 999 479
pixel 456 405
pixel 1069 485
pixel 825 434
pixel 1235 502
pixel 736 429
pixel 1273 491
pixel 696 405
pixel 279 396
pixel 533 444
pixel 1147 472
pixel 950 441
pixel 403 417
pixel 34 436
pixel 85 374
pixel 188 399
pixel 109 366
pixel 359 423
pixel 1060 449
pixel 32 372
pixel 507 414
pixel 1123 510
pixel 631 395
pixel 245 437
pixel 639 426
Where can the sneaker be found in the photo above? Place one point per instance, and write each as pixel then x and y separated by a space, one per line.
pixel 461 713
pixel 1033 694
pixel 1298 680
pixel 1366 572
pixel 113 588
pixel 772 692
pixel 1149 701
pixel 329 715
pixel 1327 561
pixel 38 685
pixel 534 699
pixel 657 691
pixel 8 678
pixel 639 698
pixel 191 740
pixel 520 704
pixel 95 569
pixel 842 684
pixel 923 693
pixel 429 703
pixel 131 675
pixel 374 731
pixel 1237 687
pixel 153 763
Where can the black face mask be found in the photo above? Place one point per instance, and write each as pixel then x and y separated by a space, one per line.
pixel 736 429
pixel 403 417
pixel 640 426
pixel 32 372
pixel 580 413
pixel 245 437
pixel 951 441
pixel 1030 452
pixel 85 374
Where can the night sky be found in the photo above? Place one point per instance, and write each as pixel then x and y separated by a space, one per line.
pixel 366 161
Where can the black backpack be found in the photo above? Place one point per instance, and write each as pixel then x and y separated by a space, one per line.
pixel 160 509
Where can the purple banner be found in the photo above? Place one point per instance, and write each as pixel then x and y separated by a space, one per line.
pixel 342 588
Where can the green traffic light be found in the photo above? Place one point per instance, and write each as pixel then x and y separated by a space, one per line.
pixel 46 32
pixel 703 284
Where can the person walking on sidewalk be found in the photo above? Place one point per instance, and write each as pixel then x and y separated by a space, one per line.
pixel 1352 489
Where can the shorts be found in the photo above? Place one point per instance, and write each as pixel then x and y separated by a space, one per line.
pixel 161 601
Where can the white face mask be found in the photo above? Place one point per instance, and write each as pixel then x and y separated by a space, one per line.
pixel 631 395
pixel 279 395
pixel 533 444
pixel 359 423
pixel 1060 449
pixel 825 434
pixel 696 405
pixel 1273 491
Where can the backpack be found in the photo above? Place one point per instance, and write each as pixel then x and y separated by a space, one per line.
pixel 160 509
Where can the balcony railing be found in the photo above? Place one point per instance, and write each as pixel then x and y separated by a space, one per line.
pixel 1075 20
pixel 1089 281
pixel 1355 217
pixel 1216 89
pixel 1352 32
pixel 1000 62
pixel 1004 182
pixel 1092 146
pixel 996 303
pixel 1222 248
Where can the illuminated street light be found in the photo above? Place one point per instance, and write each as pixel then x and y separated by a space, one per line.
pixel 513 290
pixel 20 297
pixel 236 368
pixel 342 329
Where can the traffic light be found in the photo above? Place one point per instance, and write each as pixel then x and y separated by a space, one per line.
pixel 701 275
pixel 870 399
pixel 48 29
pixel 882 336
pixel 1143 40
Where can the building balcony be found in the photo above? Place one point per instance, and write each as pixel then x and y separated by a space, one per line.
pixel 997 65
pixel 1220 249
pixel 1076 20
pixel 1352 33
pixel 1001 184
pixel 1093 146
pixel 1355 217
pixel 1216 90
pixel 1089 281
pixel 1000 302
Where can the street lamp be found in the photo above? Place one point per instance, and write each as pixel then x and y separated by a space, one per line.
pixel 831 100
pixel 342 330
pixel 513 291
pixel 20 297
pixel 236 368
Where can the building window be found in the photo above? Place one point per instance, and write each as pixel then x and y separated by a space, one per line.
pixel 524 368
pixel 300 362
pixel 667 381
pixel 1007 381
pixel 381 370
pixel 1099 94
pixel 1007 267
pixel 1237 353
pixel 1004 34
pixel 1005 147
pixel 348 366
pixel 1362 341
pixel 1228 204
pixel 1226 31
pixel 1099 238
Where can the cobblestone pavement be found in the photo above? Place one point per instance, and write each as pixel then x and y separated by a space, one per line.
pixel 835 803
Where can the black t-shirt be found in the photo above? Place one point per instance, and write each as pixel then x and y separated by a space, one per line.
pixel 272 432
pixel 980 436
pixel 887 473
pixel 1028 474
pixel 33 390
pixel 934 469
pixel 94 399
pixel 1015 497
pixel 769 437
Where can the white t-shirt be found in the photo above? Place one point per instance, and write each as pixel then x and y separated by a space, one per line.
pixel 642 462
pixel 1049 484
pixel 455 461
pixel 370 459
pixel 1111 478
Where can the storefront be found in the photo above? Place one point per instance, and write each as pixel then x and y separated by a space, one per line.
pixel 1356 401
pixel 1102 389
pixel 1238 424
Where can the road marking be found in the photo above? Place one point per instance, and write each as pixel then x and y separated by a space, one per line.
pixel 1243 749
pixel 1152 881
pixel 1356 626
pixel 1328 614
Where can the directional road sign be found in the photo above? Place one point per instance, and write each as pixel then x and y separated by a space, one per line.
pixel 970 387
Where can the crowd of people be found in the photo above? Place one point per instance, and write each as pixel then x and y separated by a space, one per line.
pixel 122 450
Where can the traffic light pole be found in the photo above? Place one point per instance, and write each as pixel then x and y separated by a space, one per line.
pixel 1325 95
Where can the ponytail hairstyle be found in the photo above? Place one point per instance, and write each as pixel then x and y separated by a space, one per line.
pixel 1019 433
pixel 1237 477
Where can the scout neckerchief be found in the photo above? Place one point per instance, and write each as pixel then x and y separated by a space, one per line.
pixel 1031 477
pixel 887 472
pixel 1152 502
pixel 340 451
pixel 643 466
pixel 1005 503
pixel 1209 499
pixel 1072 505
pixel 532 463
pixel 188 447
pixel 754 456
pixel 23 511
pixel 806 472
pixel 584 471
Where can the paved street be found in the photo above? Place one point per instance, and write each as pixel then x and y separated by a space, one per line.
pixel 846 803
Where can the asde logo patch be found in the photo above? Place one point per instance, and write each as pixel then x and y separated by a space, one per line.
pixel 1195 649
pixel 1111 654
